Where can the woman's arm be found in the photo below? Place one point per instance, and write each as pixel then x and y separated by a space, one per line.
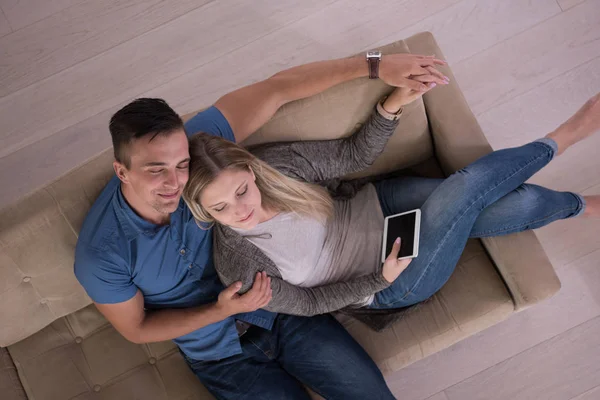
pixel 243 263
pixel 296 300
pixel 321 160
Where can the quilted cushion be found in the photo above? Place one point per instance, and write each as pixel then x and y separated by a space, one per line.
pixel 81 356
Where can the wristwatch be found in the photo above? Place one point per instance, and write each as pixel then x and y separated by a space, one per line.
pixel 373 59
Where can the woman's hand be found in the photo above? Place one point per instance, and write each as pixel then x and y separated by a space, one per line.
pixel 392 268
pixel 411 71
pixel 402 96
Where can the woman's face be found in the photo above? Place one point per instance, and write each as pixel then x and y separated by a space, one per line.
pixel 233 199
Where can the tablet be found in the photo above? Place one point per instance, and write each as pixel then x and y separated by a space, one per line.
pixel 407 226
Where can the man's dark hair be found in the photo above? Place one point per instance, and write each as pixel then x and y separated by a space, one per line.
pixel 140 118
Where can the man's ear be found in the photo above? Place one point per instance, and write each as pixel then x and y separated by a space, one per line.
pixel 121 171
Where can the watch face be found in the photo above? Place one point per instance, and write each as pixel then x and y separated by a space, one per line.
pixel 373 54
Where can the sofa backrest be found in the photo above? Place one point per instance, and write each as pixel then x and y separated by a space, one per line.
pixel 39 232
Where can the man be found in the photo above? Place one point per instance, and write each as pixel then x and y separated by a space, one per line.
pixel 148 267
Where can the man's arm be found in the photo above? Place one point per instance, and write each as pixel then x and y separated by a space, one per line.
pixel 250 107
pixel 137 325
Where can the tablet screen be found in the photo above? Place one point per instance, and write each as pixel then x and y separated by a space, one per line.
pixel 402 226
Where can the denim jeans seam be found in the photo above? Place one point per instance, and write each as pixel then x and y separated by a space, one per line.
pixel 549 152
pixel 528 223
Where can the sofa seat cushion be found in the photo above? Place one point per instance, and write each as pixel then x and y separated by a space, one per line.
pixel 10 385
pixel 37 242
pixel 474 299
pixel 81 356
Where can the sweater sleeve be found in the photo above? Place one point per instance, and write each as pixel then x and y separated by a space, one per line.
pixel 245 261
pixel 320 160
pixel 296 300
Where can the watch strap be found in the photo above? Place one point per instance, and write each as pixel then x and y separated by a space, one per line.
pixel 373 67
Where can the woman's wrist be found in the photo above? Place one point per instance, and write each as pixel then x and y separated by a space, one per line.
pixel 388 109
pixel 391 106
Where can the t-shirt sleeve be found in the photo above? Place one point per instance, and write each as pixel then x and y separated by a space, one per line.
pixel 105 278
pixel 210 121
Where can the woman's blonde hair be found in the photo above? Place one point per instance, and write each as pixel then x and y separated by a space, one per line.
pixel 211 154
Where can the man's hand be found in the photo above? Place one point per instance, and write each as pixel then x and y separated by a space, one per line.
pixel 411 71
pixel 231 303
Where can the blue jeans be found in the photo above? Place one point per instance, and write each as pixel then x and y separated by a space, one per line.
pixel 317 352
pixel 486 198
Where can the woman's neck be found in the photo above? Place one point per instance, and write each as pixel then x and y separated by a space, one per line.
pixel 266 214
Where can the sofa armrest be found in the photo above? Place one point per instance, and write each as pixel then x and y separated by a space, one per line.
pixel 458 141
pixel 524 267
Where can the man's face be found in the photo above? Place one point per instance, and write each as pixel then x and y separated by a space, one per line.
pixel 233 199
pixel 158 171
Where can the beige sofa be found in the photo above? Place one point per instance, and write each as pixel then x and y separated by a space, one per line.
pixel 64 349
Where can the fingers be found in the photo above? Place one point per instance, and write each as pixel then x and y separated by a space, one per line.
pixel 431 60
pixel 412 84
pixel 413 94
pixel 232 289
pixel 256 286
pixel 434 71
pixel 403 264
pixel 268 293
pixel 428 78
pixel 395 250
pixel 418 70
pixel 261 277
pixel 261 291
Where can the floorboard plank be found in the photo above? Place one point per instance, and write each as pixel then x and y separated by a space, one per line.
pixel 77 34
pixel 308 39
pixel 557 369
pixel 568 240
pixel 311 39
pixel 531 58
pixel 592 394
pixel 471 26
pixel 5 28
pixel 578 301
pixel 541 110
pixel 127 70
pixel 21 13
pixel 566 4
pixel 439 396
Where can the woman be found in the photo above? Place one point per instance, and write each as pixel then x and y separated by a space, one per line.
pixel 274 211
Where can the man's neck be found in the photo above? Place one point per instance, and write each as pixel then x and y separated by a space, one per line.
pixel 143 210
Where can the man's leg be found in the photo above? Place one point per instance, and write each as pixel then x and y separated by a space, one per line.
pixel 320 353
pixel 254 374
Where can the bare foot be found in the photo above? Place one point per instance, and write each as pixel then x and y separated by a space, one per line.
pixel 582 124
pixel 592 206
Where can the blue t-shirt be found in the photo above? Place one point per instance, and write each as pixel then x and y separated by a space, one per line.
pixel 118 253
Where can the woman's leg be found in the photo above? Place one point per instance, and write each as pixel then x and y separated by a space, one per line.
pixel 527 207
pixel 449 215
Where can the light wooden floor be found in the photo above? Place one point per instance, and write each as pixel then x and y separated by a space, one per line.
pixel 524 65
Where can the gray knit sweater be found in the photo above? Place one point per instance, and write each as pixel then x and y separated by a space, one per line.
pixel 322 162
